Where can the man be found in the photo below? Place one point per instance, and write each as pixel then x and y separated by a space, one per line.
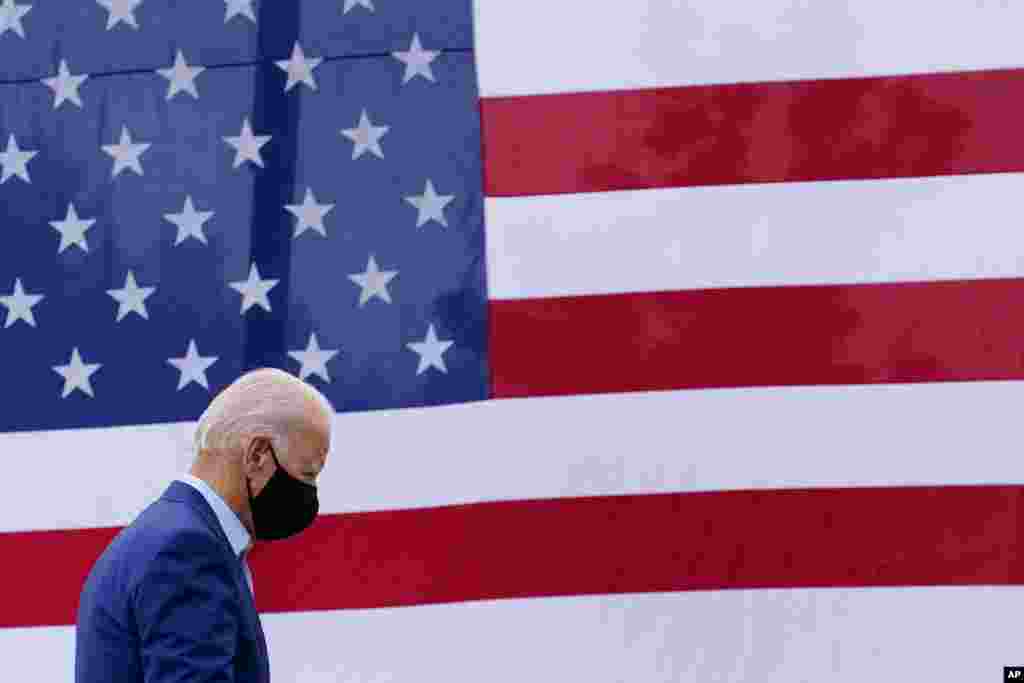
pixel 170 600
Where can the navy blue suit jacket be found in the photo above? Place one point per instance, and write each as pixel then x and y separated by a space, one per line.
pixel 168 602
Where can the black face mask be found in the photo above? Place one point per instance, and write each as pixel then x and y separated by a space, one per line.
pixel 284 507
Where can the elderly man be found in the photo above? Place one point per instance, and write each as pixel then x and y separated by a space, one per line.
pixel 171 598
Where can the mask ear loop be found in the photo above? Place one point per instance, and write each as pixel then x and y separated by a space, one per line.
pixel 248 486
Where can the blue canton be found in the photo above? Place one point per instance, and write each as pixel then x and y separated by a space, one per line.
pixel 192 190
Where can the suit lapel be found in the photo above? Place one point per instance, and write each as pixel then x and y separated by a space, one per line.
pixel 249 606
pixel 181 492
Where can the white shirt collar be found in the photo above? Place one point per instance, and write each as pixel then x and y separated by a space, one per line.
pixel 238 535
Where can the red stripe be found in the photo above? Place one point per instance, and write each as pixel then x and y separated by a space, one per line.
pixel 602 545
pixel 889 127
pixel 758 336
pixel 44 572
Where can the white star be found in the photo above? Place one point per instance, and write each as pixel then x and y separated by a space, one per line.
pixel 313 359
pixel 132 298
pixel 182 77
pixel 126 153
pixel 310 214
pixel 72 230
pixel 247 145
pixel 10 17
pixel 15 161
pixel 189 222
pixel 299 69
pixel 19 305
pixel 193 367
pixel 431 205
pixel 349 4
pixel 254 290
pixel 431 351
pixel 366 136
pixel 76 374
pixel 243 7
pixel 65 86
pixel 120 10
pixel 374 282
pixel 417 60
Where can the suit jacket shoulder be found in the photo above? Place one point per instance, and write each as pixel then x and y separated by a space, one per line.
pixel 167 600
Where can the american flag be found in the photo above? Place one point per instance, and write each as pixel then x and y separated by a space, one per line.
pixel 670 341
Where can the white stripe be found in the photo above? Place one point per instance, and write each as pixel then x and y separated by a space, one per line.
pixel 949 433
pixel 537 46
pixel 945 635
pixel 41 655
pixel 849 636
pixel 748 235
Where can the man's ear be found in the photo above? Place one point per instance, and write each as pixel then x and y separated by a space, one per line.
pixel 257 453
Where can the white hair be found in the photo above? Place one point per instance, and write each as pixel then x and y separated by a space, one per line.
pixel 266 402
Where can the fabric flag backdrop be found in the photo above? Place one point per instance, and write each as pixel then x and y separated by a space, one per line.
pixel 741 283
